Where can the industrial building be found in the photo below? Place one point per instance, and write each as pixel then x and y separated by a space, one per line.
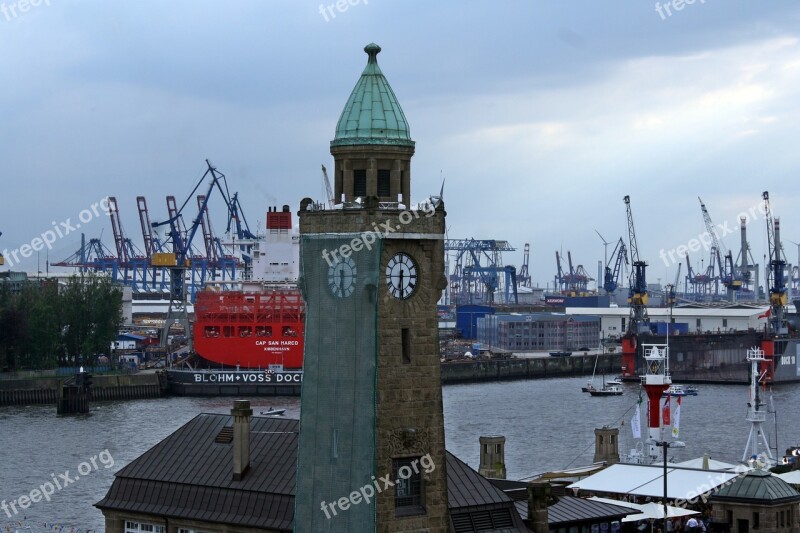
pixel 538 332
pixel 614 320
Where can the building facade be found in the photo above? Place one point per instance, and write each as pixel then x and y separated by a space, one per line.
pixel 538 332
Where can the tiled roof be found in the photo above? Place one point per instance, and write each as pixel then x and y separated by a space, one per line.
pixel 572 509
pixel 757 486
pixel 189 475
pixel 467 488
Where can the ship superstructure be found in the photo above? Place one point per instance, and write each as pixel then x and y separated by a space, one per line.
pixel 256 323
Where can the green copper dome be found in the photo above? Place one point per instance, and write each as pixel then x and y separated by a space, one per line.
pixel 372 114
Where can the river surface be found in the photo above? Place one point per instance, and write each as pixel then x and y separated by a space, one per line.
pixel 548 424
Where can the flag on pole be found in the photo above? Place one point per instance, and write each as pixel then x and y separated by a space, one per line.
pixel 636 421
pixel 665 411
pixel 676 419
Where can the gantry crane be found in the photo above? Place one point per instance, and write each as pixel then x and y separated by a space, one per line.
pixel 672 290
pixel 637 295
pixel 776 280
pixel 612 274
pixel 179 260
pixel 727 274
pixel 479 272
pixel 523 276
pixel 328 189
pixel 152 245
pixel 638 321
pixel 747 266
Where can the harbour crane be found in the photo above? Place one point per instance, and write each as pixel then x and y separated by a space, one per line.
pixel 672 289
pixel 179 260
pixel 561 280
pixel 637 295
pixel 727 274
pixel 93 256
pixel 152 245
pixel 748 268
pixel 523 276
pixel 479 273
pixel 776 281
pixel 328 189
pixel 612 274
pixel 217 261
pixel 132 262
pixel 638 321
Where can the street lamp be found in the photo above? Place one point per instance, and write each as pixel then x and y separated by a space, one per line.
pixel 664 444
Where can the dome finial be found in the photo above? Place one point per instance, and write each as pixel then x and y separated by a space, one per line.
pixel 372 50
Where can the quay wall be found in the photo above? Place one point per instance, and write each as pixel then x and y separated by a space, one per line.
pixel 104 387
pixel 476 370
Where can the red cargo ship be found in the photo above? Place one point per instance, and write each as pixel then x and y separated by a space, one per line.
pixel 259 324
pixel 250 329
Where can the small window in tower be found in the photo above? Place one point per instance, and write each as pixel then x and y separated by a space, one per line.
pixel 408 487
pixel 360 182
pixel 384 183
pixel 405 339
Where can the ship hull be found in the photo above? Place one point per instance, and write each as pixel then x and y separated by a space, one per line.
pixel 234 383
pixel 250 329
pixel 721 357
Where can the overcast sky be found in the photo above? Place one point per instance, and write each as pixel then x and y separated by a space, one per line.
pixel 541 116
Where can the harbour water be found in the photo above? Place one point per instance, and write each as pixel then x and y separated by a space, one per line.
pixel 548 424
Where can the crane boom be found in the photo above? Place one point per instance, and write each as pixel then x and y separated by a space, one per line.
pixel 639 321
pixel 723 257
pixel 775 274
pixel 328 189
pixel 612 275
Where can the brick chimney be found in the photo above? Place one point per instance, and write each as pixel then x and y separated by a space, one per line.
pixel 539 493
pixel 241 413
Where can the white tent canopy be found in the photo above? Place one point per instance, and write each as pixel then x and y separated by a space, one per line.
pixel 706 463
pixel 792 478
pixel 648 480
pixel 647 511
pixel 655 511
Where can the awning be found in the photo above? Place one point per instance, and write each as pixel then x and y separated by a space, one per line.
pixel 648 480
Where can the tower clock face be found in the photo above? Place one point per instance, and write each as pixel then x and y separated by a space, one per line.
pixel 401 275
pixel 342 277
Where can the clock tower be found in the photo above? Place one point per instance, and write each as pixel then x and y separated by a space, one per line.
pixel 372 452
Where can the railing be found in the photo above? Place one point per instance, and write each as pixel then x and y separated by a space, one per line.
pixel 53 372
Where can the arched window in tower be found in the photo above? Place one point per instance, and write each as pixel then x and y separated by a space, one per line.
pixel 360 183
pixel 384 182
